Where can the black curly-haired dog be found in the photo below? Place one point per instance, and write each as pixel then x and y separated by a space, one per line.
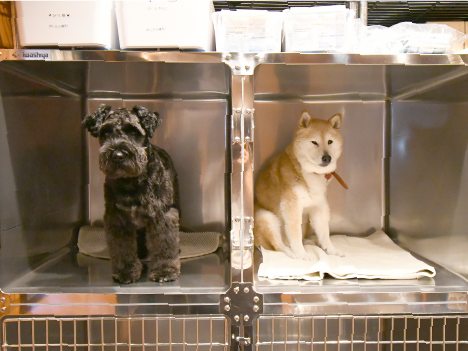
pixel 140 191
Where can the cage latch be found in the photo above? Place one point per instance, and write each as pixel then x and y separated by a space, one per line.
pixel 243 341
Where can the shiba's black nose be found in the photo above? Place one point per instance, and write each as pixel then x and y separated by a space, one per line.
pixel 326 158
pixel 117 156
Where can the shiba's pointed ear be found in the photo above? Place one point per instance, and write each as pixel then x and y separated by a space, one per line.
pixel 93 122
pixel 149 120
pixel 335 121
pixel 305 119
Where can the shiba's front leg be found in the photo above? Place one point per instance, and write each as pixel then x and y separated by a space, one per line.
pixel 292 219
pixel 320 221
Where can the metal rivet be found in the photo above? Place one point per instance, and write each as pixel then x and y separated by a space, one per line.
pixel 236 289
pixel 233 336
pixel 227 299
pixel 247 219
pixel 256 57
pixel 3 309
pixel 255 308
pixel 228 57
pixel 238 110
pixel 246 318
pixel 247 68
pixel 246 290
pixel 227 308
pixel 2 299
pixel 237 67
pixel 256 299
pixel 237 219
pixel 247 139
pixel 236 318
pixel 248 111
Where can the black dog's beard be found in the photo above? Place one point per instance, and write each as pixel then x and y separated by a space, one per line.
pixel 133 164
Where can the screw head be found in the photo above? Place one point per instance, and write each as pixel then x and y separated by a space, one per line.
pixel 247 139
pixel 256 299
pixel 238 110
pixel 227 299
pixel 247 68
pixel 236 318
pixel 2 299
pixel 237 219
pixel 237 67
pixel 236 289
pixel 3 309
pixel 255 308
pixel 228 57
pixel 246 318
pixel 248 111
pixel 246 290
pixel 256 57
pixel 247 219
pixel 227 308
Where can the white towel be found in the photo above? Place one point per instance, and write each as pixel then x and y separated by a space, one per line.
pixel 92 242
pixel 372 257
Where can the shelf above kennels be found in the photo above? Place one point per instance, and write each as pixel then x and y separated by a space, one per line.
pixel 175 56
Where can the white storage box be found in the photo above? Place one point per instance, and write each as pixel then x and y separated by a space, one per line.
pixel 183 24
pixel 248 31
pixel 67 24
pixel 319 29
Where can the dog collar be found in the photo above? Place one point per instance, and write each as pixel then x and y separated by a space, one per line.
pixel 338 178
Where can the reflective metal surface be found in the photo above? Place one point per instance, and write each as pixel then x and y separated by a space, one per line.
pixel 42 194
pixel 69 272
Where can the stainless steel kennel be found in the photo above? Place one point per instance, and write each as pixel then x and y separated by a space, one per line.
pixel 406 135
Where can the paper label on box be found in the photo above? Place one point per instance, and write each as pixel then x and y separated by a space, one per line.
pixel 30 55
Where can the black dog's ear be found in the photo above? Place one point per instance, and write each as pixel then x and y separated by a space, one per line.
pixel 149 120
pixel 93 123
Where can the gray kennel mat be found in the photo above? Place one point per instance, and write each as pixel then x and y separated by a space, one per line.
pixel 92 242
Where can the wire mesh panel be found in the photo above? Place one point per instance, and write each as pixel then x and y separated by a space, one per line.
pixel 379 333
pixel 111 333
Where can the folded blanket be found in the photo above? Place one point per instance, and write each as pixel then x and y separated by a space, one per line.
pixel 92 242
pixel 372 257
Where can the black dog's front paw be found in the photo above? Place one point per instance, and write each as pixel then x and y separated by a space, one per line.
pixel 164 274
pixel 130 274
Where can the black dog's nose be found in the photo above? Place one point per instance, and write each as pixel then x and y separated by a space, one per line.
pixel 117 156
pixel 326 158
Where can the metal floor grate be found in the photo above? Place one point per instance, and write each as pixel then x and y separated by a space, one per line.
pixel 362 333
pixel 111 333
pixel 386 13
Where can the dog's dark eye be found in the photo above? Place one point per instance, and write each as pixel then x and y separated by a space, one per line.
pixel 315 143
pixel 105 130
pixel 131 130
pixel 330 141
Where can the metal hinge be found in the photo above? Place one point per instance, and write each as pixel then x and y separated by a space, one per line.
pixel 246 114
pixel 249 243
pixel 242 64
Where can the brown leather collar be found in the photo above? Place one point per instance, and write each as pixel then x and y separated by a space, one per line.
pixel 338 178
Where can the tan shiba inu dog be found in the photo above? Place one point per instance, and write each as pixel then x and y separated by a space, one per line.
pixel 292 190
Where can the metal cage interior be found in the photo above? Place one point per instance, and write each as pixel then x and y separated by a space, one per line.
pixel 405 162
pixel 52 185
